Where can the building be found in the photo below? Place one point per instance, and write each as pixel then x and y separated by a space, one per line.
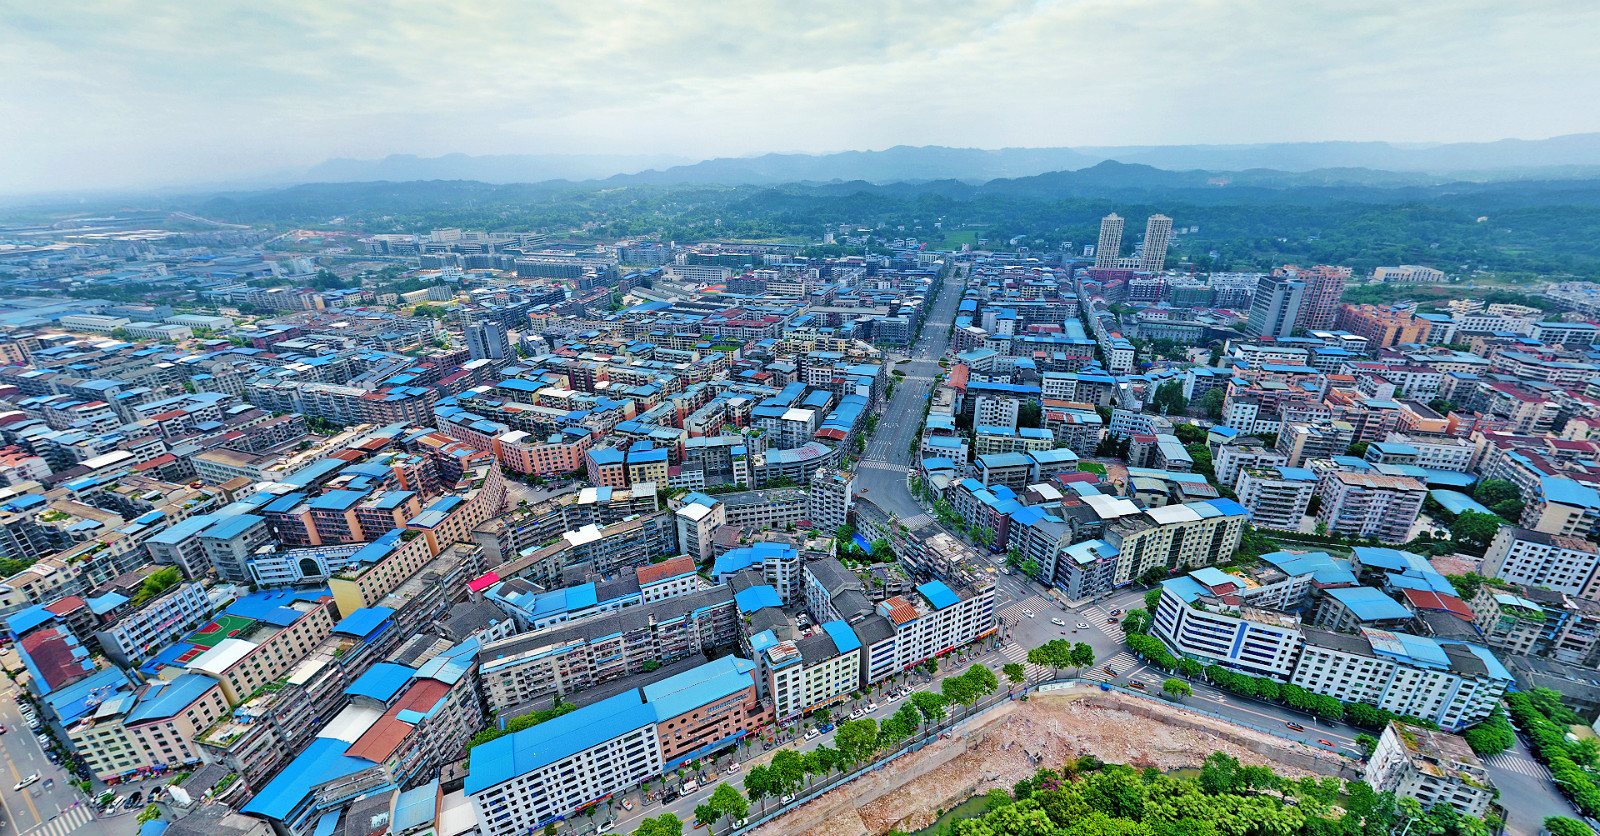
pixel 1382 325
pixel 1431 767
pixel 1370 505
pixel 1275 308
pixel 1176 536
pixel 1277 497
pixel 829 498
pixel 1109 248
pixel 1206 623
pixel 488 340
pixel 812 672
pixel 1558 562
pixel 1407 273
pixel 1450 683
pixel 137 636
pixel 1324 285
pixel 1157 234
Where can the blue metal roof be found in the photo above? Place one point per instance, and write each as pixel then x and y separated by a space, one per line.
pixel 25 620
pixel 756 597
pixel 938 595
pixel 166 698
pixel 843 637
pixel 322 761
pixel 364 622
pixel 381 681
pixel 507 757
pixel 1568 492
pixel 1368 604
pixel 1458 503
pixel 699 686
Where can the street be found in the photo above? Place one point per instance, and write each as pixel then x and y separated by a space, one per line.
pixel 38 810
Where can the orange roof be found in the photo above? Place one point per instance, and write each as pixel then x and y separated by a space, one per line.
pixel 386 735
pixel 680 565
pixel 1428 600
pixel 900 611
pixel 65 605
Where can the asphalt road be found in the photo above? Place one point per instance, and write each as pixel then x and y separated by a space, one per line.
pixel 37 810
pixel 881 473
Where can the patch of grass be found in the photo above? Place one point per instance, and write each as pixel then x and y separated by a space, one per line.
pixel 1092 467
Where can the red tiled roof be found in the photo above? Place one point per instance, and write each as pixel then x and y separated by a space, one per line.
pixel 1428 600
pixel 390 731
pixel 679 565
pixel 65 605
pixel 53 657
pixel 900 611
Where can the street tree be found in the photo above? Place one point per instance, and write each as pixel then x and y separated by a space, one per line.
pixel 758 785
pixel 1176 688
pixel 1014 672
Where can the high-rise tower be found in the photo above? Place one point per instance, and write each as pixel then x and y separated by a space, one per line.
pixel 1324 285
pixel 1157 234
pixel 1109 249
pixel 1276 307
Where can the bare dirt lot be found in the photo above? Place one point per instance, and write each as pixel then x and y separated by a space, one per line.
pixel 1017 739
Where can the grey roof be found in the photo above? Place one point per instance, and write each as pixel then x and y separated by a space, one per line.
pixel 468 617
pixel 774 619
pixel 626 583
pixel 873 629
pixel 833 577
pixel 631 619
pixel 366 816
pixel 217 820
pixel 817 648
pixel 852 605
pixel 1446 625
pixel 1464 662
pixel 1345 642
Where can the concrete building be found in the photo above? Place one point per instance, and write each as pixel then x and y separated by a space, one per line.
pixel 1431 767
pixel 1109 247
pixel 1275 308
pixel 488 340
pixel 142 633
pixel 1277 497
pixel 1370 505
pixel 1199 622
pixel 829 498
pixel 1558 562
pixel 1176 536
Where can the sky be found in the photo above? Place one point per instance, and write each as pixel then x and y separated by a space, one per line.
pixel 105 94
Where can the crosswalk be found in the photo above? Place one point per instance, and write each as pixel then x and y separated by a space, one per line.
pixel 1097 615
pixel 877 464
pixel 1012 613
pixel 1122 662
pixel 69 820
pixel 1514 761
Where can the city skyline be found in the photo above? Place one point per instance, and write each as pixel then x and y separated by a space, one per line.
pixel 115 97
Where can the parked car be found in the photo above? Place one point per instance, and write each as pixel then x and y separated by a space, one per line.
pixel 605 826
pixel 733 767
pixel 811 734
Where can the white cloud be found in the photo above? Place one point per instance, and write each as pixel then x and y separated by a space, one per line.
pixel 115 92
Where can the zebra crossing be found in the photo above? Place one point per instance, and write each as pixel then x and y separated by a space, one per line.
pixel 1514 761
pixel 69 820
pixel 878 464
pixel 1121 662
pixel 1097 615
pixel 1012 612
pixel 1016 653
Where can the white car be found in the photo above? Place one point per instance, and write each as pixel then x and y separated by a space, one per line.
pixel 871 707
pixel 811 734
pixel 605 826
pixel 732 768
pixel 1058 622
pixel 1028 613
pixel 1082 625
pixel 26 781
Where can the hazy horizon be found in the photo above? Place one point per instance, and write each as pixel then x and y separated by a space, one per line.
pixel 109 96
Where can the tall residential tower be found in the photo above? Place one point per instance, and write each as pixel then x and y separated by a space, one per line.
pixel 1109 249
pixel 1157 234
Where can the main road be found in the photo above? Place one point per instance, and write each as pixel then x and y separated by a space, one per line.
pixel 881 473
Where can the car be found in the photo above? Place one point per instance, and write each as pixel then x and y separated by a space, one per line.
pixel 1058 622
pixel 1295 727
pixel 1134 683
pixel 1028 613
pixel 26 781
pixel 1082 625
pixel 1327 743
pixel 52 757
pixel 49 782
pixel 669 796
pixel 786 799
pixel 1116 612
pixel 135 799
pixel 627 804
pixel 864 490
pixel 871 707
pixel 1111 621
pixel 2 728
pixel 811 734
pixel 605 826
pixel 733 767
pixel 44 742
pixel 690 785
pixel 1109 670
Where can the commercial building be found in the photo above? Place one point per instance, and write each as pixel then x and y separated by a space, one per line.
pixel 1198 621
pixel 1275 308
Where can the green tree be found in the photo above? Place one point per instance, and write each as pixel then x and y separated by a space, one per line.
pixel 1189 667
pixel 1219 773
pixel 1176 688
pixel 1030 414
pixel 1366 743
pixel 758 785
pixel 1014 672
pixel 1081 656
pixel 856 739
pixel 1473 530
pixel 1357 449
pixel 1212 402
pixel 727 801
pixel 786 770
pixel 665 824
pixel 157 583
pixel 705 815
pixel 1563 826
pixel 1169 399
pixel 930 705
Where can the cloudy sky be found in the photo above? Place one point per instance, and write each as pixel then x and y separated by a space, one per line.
pixel 114 93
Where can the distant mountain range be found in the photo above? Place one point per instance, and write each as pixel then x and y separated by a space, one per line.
pixel 1327 163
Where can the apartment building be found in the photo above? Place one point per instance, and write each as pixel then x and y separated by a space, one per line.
pixel 1276 497
pixel 1197 621
pixel 1240 452
pixel 811 672
pixel 830 497
pixel 1430 767
pixel 1176 536
pixel 1370 505
pixel 1562 563
pixel 138 635
pixel 286 627
pixel 171 714
pixel 1449 683
pixel 1382 325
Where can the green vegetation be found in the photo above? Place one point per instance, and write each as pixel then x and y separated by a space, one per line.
pixel 516 724
pixel 1169 399
pixel 1541 716
pixel 157 583
pixel 1092 467
pixel 1492 736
